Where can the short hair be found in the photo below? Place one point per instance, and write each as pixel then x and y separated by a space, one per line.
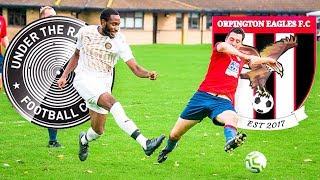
pixel 106 13
pixel 44 8
pixel 237 30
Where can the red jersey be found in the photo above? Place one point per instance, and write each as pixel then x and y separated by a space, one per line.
pixel 222 75
pixel 3 29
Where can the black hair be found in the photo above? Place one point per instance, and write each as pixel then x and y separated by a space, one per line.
pixel 106 13
pixel 237 30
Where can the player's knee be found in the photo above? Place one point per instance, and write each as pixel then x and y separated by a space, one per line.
pixel 232 119
pixel 228 118
pixel 106 100
pixel 175 136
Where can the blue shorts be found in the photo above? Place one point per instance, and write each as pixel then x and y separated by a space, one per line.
pixel 1 63
pixel 203 105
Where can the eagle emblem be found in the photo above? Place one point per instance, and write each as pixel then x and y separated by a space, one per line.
pixel 259 74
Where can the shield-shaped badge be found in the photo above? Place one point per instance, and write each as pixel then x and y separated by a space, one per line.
pixel 272 98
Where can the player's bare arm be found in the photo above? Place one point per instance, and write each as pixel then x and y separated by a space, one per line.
pixel 139 71
pixel 70 67
pixel 229 49
pixel 255 60
pixel 251 59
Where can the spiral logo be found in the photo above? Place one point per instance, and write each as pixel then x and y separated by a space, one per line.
pixel 34 62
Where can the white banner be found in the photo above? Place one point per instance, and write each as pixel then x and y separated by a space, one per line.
pixel 273 124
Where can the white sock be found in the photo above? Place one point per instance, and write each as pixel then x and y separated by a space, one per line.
pixel 121 119
pixel 126 124
pixel 90 136
pixel 142 141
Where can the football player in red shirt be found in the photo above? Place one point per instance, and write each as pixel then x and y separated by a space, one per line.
pixel 215 96
pixel 3 41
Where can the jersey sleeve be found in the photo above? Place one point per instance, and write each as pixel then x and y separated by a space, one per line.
pixel 125 50
pixel 79 39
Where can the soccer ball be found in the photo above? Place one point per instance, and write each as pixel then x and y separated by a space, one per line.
pixel 255 162
pixel 262 104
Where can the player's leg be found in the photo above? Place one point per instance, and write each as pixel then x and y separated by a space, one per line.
pixel 97 127
pixel 233 139
pixel 223 114
pixel 94 132
pixel 229 118
pixel 90 86
pixel 108 102
pixel 193 113
pixel 53 141
pixel 179 129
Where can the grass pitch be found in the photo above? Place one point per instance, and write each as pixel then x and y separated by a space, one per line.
pixel 155 107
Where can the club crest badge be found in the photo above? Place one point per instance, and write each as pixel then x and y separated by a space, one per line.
pixel 271 96
pixel 108 45
pixel 34 61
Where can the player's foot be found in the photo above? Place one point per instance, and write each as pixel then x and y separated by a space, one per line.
pixel 83 148
pixel 235 142
pixel 163 155
pixel 153 144
pixel 54 144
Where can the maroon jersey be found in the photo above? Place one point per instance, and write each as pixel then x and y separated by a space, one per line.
pixel 222 75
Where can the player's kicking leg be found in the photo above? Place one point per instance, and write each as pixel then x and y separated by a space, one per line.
pixel 180 128
pixel 127 125
pixel 234 139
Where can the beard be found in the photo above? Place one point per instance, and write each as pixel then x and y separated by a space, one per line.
pixel 107 32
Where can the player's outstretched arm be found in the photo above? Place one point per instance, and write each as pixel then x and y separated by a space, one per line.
pixel 140 71
pixel 72 64
pixel 262 60
pixel 229 49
